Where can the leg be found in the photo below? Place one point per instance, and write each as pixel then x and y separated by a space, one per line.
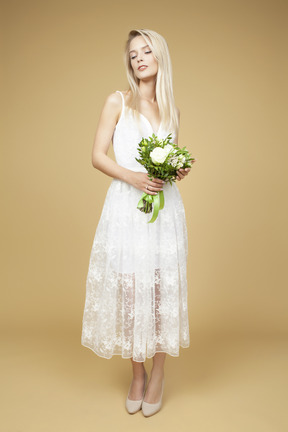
pixel 137 385
pixel 153 392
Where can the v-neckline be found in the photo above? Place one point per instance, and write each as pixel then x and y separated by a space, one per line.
pixel 156 133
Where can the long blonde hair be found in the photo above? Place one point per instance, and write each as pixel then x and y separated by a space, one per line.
pixel 164 86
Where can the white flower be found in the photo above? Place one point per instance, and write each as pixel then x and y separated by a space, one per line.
pixel 173 161
pixel 168 148
pixel 158 155
pixel 180 164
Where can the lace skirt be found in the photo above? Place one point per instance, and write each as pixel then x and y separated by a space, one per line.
pixel 136 287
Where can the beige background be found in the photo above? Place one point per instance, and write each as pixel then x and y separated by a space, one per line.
pixel 60 60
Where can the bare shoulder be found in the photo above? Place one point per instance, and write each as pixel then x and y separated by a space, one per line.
pixel 114 100
pixel 113 106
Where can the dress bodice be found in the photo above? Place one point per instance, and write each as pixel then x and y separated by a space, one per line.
pixel 127 135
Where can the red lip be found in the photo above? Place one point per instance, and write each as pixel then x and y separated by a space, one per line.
pixel 142 67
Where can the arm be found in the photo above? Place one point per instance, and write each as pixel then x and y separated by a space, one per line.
pixel 100 160
pixel 104 132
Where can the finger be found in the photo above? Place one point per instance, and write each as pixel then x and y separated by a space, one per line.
pixel 155 187
pixel 149 191
pixel 152 190
pixel 156 184
pixel 156 180
pixel 180 174
pixel 185 171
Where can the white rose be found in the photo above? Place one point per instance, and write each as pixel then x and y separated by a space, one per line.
pixel 158 155
pixel 168 148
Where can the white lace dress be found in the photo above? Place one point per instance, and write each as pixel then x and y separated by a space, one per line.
pixel 136 287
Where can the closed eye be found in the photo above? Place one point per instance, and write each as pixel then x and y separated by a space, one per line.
pixel 146 52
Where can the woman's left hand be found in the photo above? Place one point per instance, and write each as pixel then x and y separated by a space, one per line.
pixel 181 173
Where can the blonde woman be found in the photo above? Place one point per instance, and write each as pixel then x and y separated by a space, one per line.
pixel 136 289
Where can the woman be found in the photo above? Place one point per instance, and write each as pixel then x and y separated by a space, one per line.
pixel 136 290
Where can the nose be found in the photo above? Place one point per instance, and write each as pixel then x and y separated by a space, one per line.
pixel 139 58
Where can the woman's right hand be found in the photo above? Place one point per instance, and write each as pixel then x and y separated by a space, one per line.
pixel 142 182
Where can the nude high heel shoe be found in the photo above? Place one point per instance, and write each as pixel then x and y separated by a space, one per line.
pixel 133 406
pixel 149 409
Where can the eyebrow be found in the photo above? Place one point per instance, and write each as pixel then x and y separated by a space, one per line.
pixel 141 48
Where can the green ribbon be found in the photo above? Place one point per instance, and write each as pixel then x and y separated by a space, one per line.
pixel 156 200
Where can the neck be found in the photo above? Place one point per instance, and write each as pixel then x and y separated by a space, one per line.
pixel 147 90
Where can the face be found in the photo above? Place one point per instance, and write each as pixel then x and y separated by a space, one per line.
pixel 142 60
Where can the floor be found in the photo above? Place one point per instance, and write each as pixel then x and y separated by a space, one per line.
pixel 50 382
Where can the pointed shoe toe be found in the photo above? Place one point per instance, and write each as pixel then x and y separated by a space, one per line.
pixel 148 409
pixel 134 406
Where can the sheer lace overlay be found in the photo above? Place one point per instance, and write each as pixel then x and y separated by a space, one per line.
pixel 136 287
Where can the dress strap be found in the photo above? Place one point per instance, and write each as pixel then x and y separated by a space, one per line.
pixel 121 97
pixel 123 104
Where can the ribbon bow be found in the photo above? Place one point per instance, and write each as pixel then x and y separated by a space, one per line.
pixel 146 201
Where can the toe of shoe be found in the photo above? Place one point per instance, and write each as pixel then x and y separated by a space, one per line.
pixel 150 409
pixel 133 406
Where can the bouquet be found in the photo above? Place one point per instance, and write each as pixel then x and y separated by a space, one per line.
pixel 162 159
